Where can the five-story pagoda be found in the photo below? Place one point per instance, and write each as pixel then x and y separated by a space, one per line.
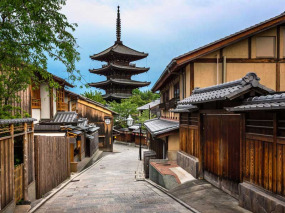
pixel 118 69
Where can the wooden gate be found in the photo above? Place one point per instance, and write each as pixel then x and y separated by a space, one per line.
pixel 221 138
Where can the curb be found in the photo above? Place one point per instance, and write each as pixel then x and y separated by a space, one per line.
pixel 165 191
pixel 61 187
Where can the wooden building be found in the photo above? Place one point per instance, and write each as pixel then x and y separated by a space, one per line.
pixel 233 137
pixel 118 69
pixel 97 114
pixel 152 106
pixel 259 49
pixel 46 102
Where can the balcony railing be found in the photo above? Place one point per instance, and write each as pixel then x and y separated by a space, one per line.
pixel 173 103
pixel 61 106
pixel 36 103
pixel 162 106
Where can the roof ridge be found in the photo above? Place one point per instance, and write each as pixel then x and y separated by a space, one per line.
pixel 249 78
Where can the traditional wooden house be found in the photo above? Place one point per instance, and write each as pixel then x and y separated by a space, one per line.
pixel 258 49
pixel 152 106
pixel 262 153
pixel 97 114
pixel 211 135
pixel 118 69
pixel 46 102
pixel 162 135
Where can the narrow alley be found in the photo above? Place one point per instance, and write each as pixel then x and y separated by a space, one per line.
pixel 110 186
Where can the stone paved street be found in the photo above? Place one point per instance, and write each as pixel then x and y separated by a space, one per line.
pixel 110 186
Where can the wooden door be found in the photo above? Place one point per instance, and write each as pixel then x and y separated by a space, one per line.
pixel 221 139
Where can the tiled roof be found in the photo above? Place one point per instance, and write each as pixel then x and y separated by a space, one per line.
pixel 159 126
pixel 111 66
pixel 123 82
pixel 268 102
pixel 117 95
pixel 149 105
pixel 185 108
pixel 121 49
pixel 17 120
pixel 224 91
pixel 65 117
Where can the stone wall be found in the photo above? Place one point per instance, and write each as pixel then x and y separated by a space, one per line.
pixel 188 163
pixel 258 200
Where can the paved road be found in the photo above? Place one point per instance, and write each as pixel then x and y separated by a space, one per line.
pixel 110 186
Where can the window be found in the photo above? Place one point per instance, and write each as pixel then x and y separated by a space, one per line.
pixel 176 92
pixel 265 46
pixel 36 96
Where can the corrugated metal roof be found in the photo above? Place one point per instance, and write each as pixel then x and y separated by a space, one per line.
pixel 159 126
pixel 149 105
pixel 17 120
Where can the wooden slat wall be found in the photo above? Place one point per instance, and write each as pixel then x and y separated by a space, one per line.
pixel 98 117
pixel 6 172
pixel 264 160
pixel 52 162
pixel 221 138
pixel 189 133
pixel 189 140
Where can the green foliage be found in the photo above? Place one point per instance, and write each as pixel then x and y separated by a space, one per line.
pixel 95 96
pixel 129 106
pixel 146 115
pixel 31 32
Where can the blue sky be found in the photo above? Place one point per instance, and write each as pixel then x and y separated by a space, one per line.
pixel 162 28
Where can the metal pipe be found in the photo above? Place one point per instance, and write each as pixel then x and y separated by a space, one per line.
pixel 140 150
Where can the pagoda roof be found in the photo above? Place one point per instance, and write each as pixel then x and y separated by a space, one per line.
pixel 132 69
pixel 124 82
pixel 117 96
pixel 117 51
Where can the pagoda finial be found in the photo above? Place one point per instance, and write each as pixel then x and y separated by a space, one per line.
pixel 118 30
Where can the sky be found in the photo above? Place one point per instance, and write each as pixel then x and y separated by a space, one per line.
pixel 163 28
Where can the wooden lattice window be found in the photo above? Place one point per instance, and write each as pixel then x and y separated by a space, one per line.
pixel 36 97
pixel 61 105
pixel 177 91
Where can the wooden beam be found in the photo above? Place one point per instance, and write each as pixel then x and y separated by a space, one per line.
pixel 191 77
pixel 240 60
pixel 249 47
pixel 26 165
pixel 278 42
pixel 274 176
pixel 277 76
pixel 51 103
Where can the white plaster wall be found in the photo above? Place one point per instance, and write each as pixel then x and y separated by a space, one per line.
pixel 36 113
pixel 45 101
pixel 54 101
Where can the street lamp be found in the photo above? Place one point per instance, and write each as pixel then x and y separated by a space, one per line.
pixel 140 150
pixel 130 121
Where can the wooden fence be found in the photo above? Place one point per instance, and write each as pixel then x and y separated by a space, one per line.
pixel 264 151
pixel 52 162
pixel 19 186
pixel 8 134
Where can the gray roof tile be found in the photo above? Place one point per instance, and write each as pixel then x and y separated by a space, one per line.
pixel 159 126
pixel 149 105
pixel 17 120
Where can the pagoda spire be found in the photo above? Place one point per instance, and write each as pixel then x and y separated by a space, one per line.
pixel 118 27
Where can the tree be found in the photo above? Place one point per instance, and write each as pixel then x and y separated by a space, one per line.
pixel 95 96
pixel 31 32
pixel 129 106
pixel 145 116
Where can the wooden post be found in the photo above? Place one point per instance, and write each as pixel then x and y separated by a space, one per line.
pixel 12 161
pixel 33 150
pixel 201 146
pixel 274 185
pixel 25 147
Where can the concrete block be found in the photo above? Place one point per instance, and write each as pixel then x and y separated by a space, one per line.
pixel 188 163
pixel 258 200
